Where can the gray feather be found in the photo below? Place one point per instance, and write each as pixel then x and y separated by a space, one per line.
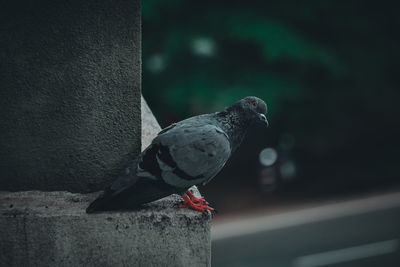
pixel 199 150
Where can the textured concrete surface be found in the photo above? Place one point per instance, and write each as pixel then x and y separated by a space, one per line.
pixel 70 75
pixel 150 126
pixel 52 229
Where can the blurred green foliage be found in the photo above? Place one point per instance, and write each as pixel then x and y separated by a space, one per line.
pixel 247 46
pixel 327 70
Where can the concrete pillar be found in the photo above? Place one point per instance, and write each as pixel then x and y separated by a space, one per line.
pixel 70 77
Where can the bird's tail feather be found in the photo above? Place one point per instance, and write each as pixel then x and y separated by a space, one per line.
pixel 100 203
pixel 141 192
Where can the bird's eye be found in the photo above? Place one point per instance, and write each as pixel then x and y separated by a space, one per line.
pixel 254 104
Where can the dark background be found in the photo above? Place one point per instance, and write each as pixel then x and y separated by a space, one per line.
pixel 328 71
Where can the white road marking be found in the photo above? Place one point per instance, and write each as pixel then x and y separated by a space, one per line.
pixel 304 216
pixel 347 254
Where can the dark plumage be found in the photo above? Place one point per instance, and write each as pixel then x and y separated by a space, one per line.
pixel 184 154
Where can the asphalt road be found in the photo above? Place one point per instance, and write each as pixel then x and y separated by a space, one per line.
pixel 363 232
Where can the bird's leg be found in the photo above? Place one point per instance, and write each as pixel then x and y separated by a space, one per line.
pixel 188 203
pixel 196 199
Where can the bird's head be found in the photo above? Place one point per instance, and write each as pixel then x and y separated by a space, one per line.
pixel 253 108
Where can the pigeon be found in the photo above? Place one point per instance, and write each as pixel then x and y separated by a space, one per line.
pixel 186 153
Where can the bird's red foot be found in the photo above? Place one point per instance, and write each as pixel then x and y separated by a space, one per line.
pixel 192 202
pixel 196 199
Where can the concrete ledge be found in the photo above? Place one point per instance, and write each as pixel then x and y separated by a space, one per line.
pixel 52 229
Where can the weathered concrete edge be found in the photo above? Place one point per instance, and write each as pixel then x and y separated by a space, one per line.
pixel 62 203
pixel 52 229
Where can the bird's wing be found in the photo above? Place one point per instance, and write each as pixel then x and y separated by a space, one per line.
pixel 166 129
pixel 129 178
pixel 185 155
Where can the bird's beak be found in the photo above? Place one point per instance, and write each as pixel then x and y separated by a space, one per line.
pixel 263 119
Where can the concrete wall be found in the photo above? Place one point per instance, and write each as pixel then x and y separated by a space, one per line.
pixel 70 76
